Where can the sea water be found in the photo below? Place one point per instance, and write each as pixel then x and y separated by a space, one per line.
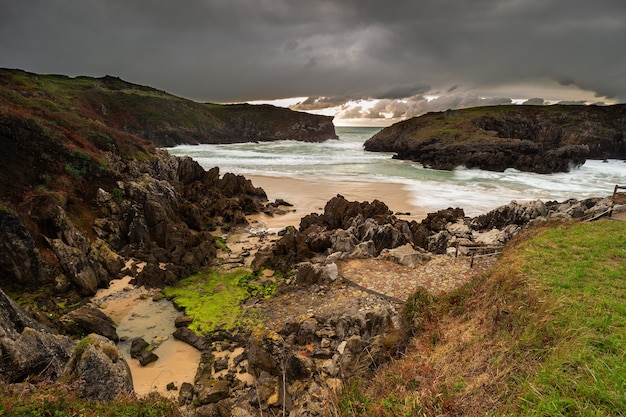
pixel 476 191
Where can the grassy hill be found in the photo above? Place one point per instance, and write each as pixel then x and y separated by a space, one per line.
pixel 544 333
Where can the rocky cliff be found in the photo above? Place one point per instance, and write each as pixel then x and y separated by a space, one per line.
pixel 162 118
pixel 540 139
pixel 80 196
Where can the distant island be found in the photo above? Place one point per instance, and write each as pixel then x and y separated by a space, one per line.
pixel 541 139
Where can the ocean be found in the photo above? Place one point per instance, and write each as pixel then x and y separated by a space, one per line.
pixel 475 190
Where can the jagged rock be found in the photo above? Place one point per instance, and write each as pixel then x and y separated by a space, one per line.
pixel 186 335
pixel 341 228
pixel 363 250
pixel 34 353
pixel 512 213
pixel 406 255
pixel 20 262
pixel 101 369
pixel 343 241
pixel 28 347
pixel 438 243
pixel 105 262
pixel 86 320
pixel 185 395
pixel 140 350
pixel 309 273
pixel 210 391
pixel 183 321
pixel 76 266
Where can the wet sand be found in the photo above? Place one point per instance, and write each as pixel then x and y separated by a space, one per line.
pixel 311 195
pixel 136 314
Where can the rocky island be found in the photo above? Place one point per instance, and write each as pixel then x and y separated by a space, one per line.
pixel 542 139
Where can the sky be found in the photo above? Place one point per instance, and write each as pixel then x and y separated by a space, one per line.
pixel 365 62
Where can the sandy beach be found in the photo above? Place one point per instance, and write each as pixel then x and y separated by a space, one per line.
pixel 311 194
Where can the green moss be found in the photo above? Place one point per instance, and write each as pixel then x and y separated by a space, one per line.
pixel 212 298
pixel 221 243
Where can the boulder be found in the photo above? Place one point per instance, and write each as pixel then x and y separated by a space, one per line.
pixel 140 350
pixel 186 335
pixel 406 255
pixel 210 391
pixel 309 273
pixel 100 369
pixel 86 320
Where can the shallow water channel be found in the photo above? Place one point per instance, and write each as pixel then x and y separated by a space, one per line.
pixel 136 314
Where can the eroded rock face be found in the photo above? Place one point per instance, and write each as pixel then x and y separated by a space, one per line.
pixel 165 215
pixel 20 261
pixel 100 368
pixel 30 349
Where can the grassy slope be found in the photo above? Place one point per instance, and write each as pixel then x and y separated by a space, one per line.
pixel 460 127
pixel 543 334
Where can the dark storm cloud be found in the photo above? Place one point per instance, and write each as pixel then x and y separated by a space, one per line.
pixel 235 50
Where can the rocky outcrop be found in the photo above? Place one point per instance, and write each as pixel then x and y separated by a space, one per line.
pixel 367 230
pixel 99 369
pixel 31 350
pixel 86 320
pixel 19 257
pixel 141 350
pixel 166 214
pixel 542 139
pixel 28 347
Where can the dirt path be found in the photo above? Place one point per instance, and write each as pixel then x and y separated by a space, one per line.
pixel 440 275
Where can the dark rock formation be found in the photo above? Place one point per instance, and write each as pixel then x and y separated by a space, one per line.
pixel 31 351
pixel 86 320
pixel 100 369
pixel 19 257
pixel 185 335
pixel 362 230
pixel 140 350
pixel 542 139
pixel 28 347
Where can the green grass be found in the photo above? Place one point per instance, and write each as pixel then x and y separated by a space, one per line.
pixel 583 270
pixel 213 298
